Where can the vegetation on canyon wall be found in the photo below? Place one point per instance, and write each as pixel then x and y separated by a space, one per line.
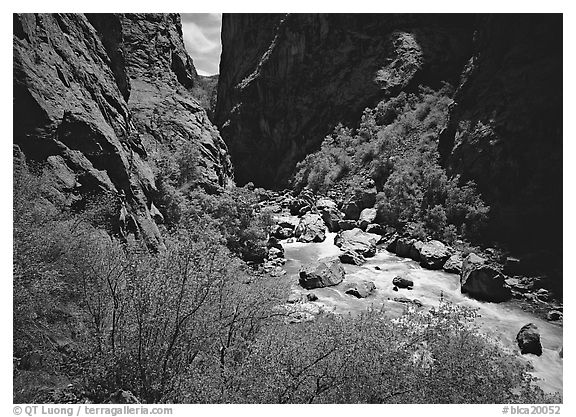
pixel 396 146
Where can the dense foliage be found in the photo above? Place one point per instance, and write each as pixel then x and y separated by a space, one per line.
pixel 396 146
pixel 193 323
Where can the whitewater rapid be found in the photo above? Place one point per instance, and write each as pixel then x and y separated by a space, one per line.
pixel 499 320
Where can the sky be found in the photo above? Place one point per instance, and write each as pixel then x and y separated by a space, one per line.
pixel 202 40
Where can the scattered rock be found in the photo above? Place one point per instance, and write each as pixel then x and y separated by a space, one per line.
pixel 361 289
pixel 352 258
pixel 321 274
pixel 394 288
pixel 377 268
pixel 376 229
pixel 528 339
pixel 325 203
pixel 407 300
pixel 553 315
pixel 453 264
pixel 482 281
pixel 347 224
pixel 122 397
pixel 358 241
pixel 297 297
pixel 332 217
pixel 401 282
pixel 311 229
pixel 367 216
pixel 274 253
pixel 433 254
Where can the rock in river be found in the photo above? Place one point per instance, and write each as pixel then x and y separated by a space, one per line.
pixel 358 241
pixel 528 339
pixel 311 229
pixel 361 289
pixel 401 282
pixel 433 254
pixel 323 273
pixel 482 281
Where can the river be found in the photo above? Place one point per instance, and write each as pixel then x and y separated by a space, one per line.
pixel 499 320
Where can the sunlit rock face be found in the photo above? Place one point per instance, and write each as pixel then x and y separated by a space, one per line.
pixel 287 80
pixel 94 95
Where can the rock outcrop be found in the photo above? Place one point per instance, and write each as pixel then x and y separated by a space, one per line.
pixel 287 79
pixel 95 95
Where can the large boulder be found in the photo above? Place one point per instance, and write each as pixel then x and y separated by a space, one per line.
pixel 483 281
pixel 361 289
pixel 324 273
pixel 311 229
pixel 402 282
pixel 352 258
pixel 325 203
pixel 367 216
pixel 433 254
pixel 331 217
pixel 528 339
pixel 453 264
pixel 358 241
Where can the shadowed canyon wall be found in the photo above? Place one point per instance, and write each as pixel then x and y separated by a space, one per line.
pixel 286 80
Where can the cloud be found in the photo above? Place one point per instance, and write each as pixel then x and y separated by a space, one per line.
pixel 202 40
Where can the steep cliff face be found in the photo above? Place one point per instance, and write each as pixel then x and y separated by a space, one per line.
pixel 505 129
pixel 286 80
pixel 95 95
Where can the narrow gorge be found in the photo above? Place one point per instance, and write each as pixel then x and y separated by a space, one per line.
pixel 181 238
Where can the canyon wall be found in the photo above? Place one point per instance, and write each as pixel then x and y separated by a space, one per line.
pixel 286 80
pixel 96 95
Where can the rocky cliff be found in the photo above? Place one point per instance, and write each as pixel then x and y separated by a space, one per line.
pixel 286 80
pixel 97 96
pixel 505 128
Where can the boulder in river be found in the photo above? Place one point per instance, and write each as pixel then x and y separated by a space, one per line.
pixel 311 229
pixel 453 264
pixel 332 217
pixel 553 315
pixel 407 300
pixel 528 339
pixel 324 273
pixel 358 241
pixel 352 258
pixel 402 282
pixel 361 289
pixel 483 281
pixel 367 216
pixel 433 254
